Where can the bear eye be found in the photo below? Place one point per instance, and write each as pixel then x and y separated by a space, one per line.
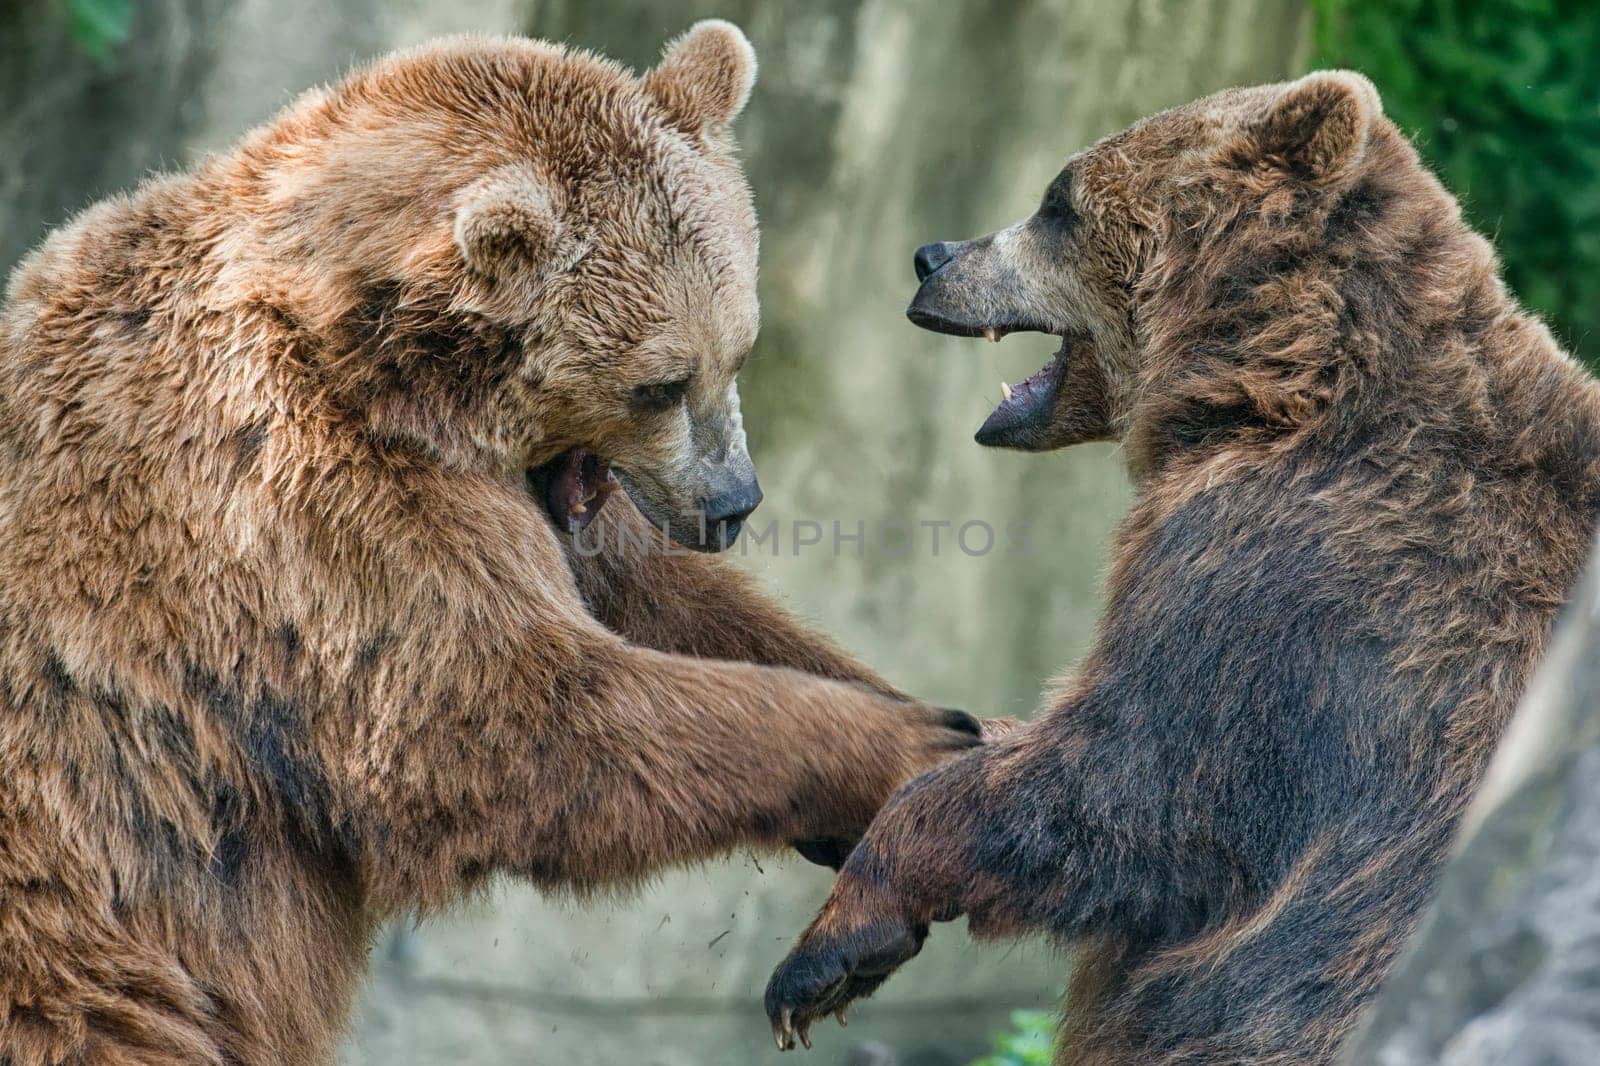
pixel 660 395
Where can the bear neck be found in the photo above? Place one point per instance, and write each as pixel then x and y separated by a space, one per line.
pixel 1322 317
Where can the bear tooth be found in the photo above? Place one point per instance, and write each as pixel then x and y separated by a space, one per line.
pixel 1006 389
pixel 579 508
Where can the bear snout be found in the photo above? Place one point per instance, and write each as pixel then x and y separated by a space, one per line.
pixel 725 513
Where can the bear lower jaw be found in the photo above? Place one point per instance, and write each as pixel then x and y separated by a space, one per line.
pixel 573 487
pixel 1027 404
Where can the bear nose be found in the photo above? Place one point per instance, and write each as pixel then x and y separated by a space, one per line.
pixel 733 506
pixel 930 258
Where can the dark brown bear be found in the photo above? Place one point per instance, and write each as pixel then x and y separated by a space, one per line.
pixel 1366 482
pixel 290 642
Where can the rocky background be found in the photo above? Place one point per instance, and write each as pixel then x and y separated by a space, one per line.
pixel 876 125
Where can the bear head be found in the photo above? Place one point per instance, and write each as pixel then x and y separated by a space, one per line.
pixel 514 255
pixel 1192 254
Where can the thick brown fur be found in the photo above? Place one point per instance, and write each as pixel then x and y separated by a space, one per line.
pixel 287 646
pixel 1366 481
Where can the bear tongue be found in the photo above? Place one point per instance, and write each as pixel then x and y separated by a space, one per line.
pixel 580 482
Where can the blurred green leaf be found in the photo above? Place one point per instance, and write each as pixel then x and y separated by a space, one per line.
pixel 1030 1041
pixel 98 26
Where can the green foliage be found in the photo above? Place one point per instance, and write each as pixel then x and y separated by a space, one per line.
pixel 98 26
pixel 1503 99
pixel 1030 1042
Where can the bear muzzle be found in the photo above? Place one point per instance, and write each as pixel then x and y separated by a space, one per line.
pixel 966 290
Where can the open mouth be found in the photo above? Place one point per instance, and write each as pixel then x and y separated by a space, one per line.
pixel 573 487
pixel 1026 407
pixel 576 484
pixel 1028 404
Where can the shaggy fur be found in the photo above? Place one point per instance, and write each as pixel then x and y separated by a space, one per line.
pixel 1366 481
pixel 287 646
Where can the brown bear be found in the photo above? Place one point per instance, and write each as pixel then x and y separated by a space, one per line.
pixel 1366 481
pixel 291 639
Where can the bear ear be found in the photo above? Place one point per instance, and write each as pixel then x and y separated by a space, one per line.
pixel 507 222
pixel 1318 125
pixel 704 78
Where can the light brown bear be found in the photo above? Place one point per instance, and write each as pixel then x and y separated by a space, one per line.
pixel 1366 481
pixel 289 640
